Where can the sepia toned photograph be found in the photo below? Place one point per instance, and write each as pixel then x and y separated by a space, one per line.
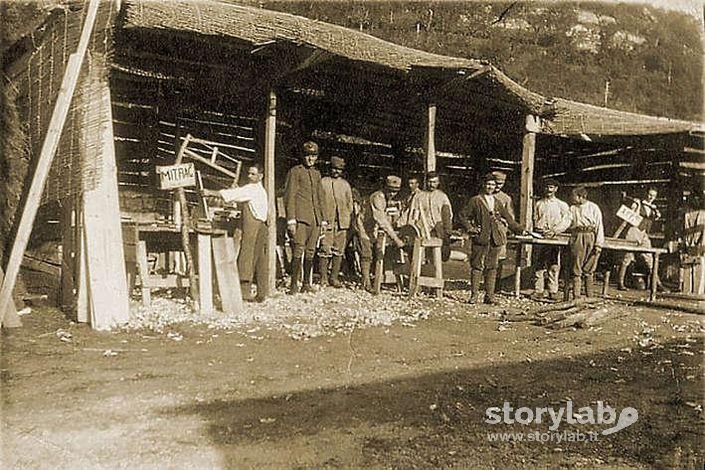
pixel 367 234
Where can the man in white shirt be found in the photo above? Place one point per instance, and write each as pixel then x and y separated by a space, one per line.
pixel 586 241
pixel 252 260
pixel 551 217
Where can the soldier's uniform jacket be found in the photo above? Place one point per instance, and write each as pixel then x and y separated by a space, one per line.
pixel 477 214
pixel 337 202
pixel 302 195
pixel 381 214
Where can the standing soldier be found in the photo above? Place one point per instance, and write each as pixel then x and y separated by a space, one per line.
pixel 551 217
pixel 337 203
pixel 647 209
pixel 484 217
pixel 586 241
pixel 302 198
pixel 504 198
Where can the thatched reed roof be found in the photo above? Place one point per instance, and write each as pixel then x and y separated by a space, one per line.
pixel 573 118
pixel 262 27
pixel 259 27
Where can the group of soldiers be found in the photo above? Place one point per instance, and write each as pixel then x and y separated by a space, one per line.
pixel 325 214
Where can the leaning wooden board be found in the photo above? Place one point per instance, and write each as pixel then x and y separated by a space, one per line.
pixel 227 275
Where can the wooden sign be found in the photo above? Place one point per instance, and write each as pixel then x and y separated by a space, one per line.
pixel 176 176
pixel 629 216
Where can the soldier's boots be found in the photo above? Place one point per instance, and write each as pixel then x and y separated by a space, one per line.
pixel 335 272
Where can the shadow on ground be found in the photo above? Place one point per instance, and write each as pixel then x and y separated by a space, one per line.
pixel 438 419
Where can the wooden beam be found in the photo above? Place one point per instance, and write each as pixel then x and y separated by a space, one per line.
pixel 430 139
pixel 105 256
pixel 527 182
pixel 46 156
pixel 270 131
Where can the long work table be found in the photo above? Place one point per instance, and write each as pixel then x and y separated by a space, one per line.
pixel 617 244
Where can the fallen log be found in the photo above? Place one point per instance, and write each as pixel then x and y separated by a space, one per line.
pixel 583 301
pixel 552 317
pixel 687 308
pixel 583 319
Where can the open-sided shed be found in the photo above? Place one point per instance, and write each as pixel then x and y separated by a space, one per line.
pixel 259 83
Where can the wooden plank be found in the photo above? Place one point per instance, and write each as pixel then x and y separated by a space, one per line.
pixel 10 306
pixel 415 272
pixel 205 274
pixel 143 270
pixel 8 316
pixel 103 231
pixel 379 264
pixel 430 139
pixel 193 155
pixel 68 256
pixel 438 273
pixel 654 277
pixel 227 275
pixel 269 184
pixel 83 303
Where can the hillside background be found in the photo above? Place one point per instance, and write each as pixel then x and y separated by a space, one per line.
pixel 630 57
pixel 652 58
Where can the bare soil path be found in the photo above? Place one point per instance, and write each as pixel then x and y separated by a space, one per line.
pixel 404 395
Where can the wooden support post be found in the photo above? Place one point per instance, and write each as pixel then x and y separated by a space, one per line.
pixel 8 316
pixel 11 303
pixel 654 277
pixel 527 183
pixel 143 269
pixel 105 257
pixel 430 139
pixel 185 231
pixel 83 304
pixel 205 275
pixel 69 251
pixel 415 271
pixel 269 185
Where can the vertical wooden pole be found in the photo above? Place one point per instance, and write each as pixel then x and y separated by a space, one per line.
pixel 205 275
pixel 526 206
pixel 105 257
pixel 83 304
pixel 269 184
pixel 185 230
pixel 8 316
pixel 68 256
pixel 430 139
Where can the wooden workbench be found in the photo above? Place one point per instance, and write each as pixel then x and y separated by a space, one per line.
pixel 617 244
pixel 162 237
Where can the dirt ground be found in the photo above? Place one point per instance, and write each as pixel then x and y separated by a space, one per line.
pixel 409 391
